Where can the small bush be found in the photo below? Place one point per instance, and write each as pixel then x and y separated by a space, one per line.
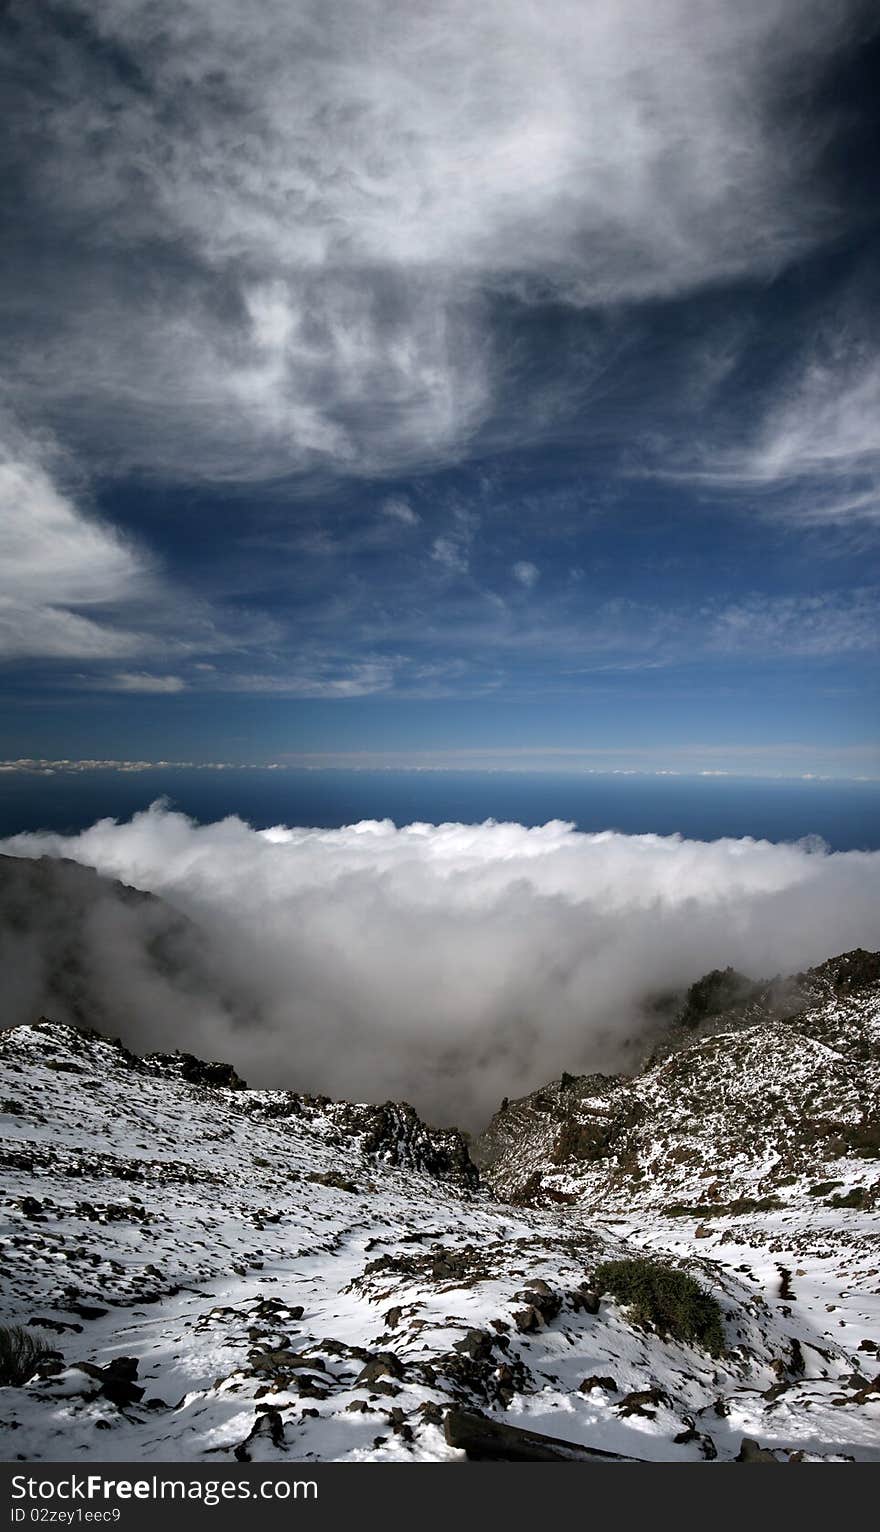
pixel 736 1209
pixel 667 1299
pixel 857 1197
pixel 20 1351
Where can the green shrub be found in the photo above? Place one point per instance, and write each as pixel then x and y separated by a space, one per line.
pixel 736 1209
pixel 857 1197
pixel 20 1351
pixel 665 1298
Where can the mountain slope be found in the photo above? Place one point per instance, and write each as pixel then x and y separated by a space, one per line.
pixel 240 1273
pixel 757 1145
pixel 759 1106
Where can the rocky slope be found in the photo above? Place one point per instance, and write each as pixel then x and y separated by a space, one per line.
pixel 756 1144
pixel 226 1273
pixel 759 1106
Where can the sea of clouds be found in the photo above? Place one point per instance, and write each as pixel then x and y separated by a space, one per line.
pixel 449 965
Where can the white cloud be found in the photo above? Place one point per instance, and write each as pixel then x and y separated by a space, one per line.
pixel 815 453
pixel 527 574
pixel 823 624
pixel 451 553
pixel 60 570
pixel 459 128
pixel 828 425
pixel 450 964
pixel 73 587
pixel 821 442
pixel 143 681
pixel 322 678
pixel 341 199
pixel 400 510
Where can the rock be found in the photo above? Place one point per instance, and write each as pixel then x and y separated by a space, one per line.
pixel 91 1369
pixel 488 1440
pixel 691 1434
pixel 586 1300
pixel 121 1393
pixel 776 1390
pixel 211 1073
pixel 864 1395
pixel 382 1364
pixel 267 1428
pixel 540 1295
pixel 308 1390
pixel 124 1367
pixel 527 1321
pixel 752 1452
pixel 477 1344
pixel 797 1364
pixel 645 1402
pixel 607 1384
pixel 333 1178
pixel 116 1380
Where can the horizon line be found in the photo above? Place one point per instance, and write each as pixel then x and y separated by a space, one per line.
pixel 424 763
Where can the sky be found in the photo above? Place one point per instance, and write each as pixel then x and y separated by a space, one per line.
pixel 441 383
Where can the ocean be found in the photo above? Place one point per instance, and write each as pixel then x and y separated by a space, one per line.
pixel 846 815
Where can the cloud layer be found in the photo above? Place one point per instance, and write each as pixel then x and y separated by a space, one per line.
pixel 451 964
pixel 284 232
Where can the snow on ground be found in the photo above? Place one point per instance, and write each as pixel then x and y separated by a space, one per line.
pixel 228 1273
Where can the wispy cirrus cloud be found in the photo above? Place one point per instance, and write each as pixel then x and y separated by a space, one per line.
pixel 145 682
pixel 282 239
pixel 370 322
pixel 819 625
pixel 339 676
pixel 398 509
pixel 812 454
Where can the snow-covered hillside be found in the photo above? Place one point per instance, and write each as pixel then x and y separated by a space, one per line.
pixel 224 1273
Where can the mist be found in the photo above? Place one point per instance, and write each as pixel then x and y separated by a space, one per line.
pixel 448 965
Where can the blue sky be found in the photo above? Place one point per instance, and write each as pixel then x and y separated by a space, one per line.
pixel 407 383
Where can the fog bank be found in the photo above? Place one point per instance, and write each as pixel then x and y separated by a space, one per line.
pixel 449 965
